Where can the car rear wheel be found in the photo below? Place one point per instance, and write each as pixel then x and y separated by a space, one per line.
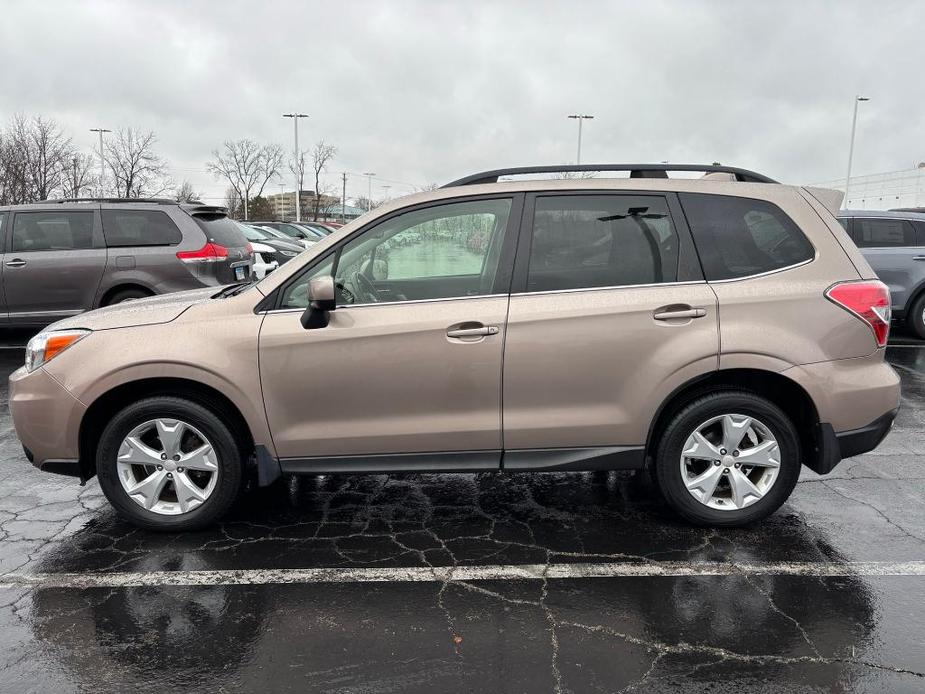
pixel 126 295
pixel 169 464
pixel 728 459
pixel 916 318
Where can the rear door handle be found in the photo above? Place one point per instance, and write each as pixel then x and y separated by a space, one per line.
pixel 680 314
pixel 473 332
pixel 16 262
pixel 918 257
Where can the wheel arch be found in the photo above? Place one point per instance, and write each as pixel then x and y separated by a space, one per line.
pixel 121 287
pixel 784 392
pixel 101 411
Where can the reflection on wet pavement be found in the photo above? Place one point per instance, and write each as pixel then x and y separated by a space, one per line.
pixel 742 629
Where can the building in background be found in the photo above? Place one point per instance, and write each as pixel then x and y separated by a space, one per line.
pixel 883 191
pixel 283 205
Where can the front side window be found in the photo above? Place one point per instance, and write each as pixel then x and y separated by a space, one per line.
pixel 883 233
pixel 52 231
pixel 738 237
pixel 126 228
pixel 582 241
pixel 433 253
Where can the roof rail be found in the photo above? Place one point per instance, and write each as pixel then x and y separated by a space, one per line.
pixel 157 201
pixel 636 171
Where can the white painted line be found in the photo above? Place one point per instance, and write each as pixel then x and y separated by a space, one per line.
pixel 521 572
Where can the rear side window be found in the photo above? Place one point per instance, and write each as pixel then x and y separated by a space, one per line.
pixel 221 230
pixel 738 237
pixel 883 233
pixel 52 231
pixel 139 228
pixel 584 241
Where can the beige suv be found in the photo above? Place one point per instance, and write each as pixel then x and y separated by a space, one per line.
pixel 716 333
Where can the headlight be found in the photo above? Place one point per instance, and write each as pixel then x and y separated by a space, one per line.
pixel 46 346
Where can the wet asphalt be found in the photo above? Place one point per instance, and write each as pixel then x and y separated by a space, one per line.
pixel 252 615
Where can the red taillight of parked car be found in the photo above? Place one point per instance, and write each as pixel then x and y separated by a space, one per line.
pixel 249 248
pixel 869 300
pixel 210 253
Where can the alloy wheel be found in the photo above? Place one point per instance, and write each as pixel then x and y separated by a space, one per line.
pixel 730 462
pixel 167 466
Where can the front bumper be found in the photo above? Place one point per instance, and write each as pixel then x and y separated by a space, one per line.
pixel 833 447
pixel 46 418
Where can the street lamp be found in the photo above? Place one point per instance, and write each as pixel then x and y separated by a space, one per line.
pixel 102 170
pixel 854 122
pixel 386 193
pixel 369 190
pixel 295 123
pixel 580 118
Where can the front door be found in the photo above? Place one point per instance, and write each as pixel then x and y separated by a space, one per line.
pixel 53 264
pixel 407 374
pixel 609 313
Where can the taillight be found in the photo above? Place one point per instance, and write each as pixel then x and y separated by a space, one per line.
pixel 249 248
pixel 869 300
pixel 210 253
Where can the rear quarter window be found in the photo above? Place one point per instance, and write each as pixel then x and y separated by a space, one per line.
pixel 739 237
pixel 127 228
pixel 871 232
pixel 221 230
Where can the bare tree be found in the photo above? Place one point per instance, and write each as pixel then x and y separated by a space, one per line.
pixel 321 155
pixel 298 166
pixel 136 170
pixel 247 167
pixel 185 193
pixel 49 153
pixel 233 202
pixel 81 177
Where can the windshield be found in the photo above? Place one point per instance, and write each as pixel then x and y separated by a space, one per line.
pixel 252 234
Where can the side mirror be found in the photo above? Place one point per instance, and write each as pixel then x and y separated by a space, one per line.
pixel 321 301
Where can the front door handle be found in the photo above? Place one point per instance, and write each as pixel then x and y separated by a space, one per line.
pixel 16 262
pixel 918 257
pixel 680 314
pixel 473 332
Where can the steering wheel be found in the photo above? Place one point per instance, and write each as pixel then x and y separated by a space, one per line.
pixel 365 289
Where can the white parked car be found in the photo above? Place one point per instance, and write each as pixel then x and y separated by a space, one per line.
pixel 263 266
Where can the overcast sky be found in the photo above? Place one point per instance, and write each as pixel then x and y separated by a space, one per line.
pixel 423 92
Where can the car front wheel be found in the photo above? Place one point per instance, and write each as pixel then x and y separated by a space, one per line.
pixel 169 464
pixel 728 459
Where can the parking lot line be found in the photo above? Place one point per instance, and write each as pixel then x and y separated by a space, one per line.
pixel 516 572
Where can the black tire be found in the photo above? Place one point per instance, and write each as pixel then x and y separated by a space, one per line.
pixel 229 459
pixel 126 295
pixel 915 320
pixel 686 421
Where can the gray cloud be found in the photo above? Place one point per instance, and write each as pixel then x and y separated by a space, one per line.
pixel 424 92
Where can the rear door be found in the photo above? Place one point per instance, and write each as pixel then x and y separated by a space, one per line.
pixel 609 313
pixel 53 263
pixel 4 230
pixel 894 253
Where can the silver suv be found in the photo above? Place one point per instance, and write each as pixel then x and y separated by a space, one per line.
pixel 60 258
pixel 717 333
pixel 894 245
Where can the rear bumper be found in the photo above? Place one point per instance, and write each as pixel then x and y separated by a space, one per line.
pixel 833 447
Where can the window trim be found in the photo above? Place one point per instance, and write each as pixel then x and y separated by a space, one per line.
pixel 502 283
pixel 113 210
pixel 689 270
pixel 97 240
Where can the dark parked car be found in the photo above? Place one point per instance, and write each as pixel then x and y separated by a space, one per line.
pixel 301 234
pixel 894 245
pixel 283 249
pixel 64 257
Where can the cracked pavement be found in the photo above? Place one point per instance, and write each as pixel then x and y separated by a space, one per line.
pixel 739 629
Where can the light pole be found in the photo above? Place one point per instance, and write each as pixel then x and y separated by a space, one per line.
pixel 854 122
pixel 580 118
pixel 102 170
pixel 343 199
pixel 386 193
pixel 298 164
pixel 282 201
pixel 369 189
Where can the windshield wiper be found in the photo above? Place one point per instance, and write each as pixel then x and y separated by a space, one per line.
pixel 234 289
